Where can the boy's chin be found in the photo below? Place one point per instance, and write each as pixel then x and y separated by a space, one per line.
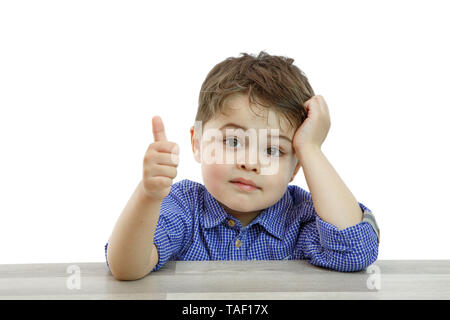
pixel 237 208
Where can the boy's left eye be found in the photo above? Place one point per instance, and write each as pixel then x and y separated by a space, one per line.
pixel 278 153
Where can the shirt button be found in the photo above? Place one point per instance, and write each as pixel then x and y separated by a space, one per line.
pixel 238 243
pixel 231 223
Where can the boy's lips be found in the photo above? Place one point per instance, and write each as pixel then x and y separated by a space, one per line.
pixel 245 184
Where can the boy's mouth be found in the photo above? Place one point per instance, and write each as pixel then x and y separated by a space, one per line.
pixel 244 184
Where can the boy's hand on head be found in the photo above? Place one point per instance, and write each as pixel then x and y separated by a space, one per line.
pixel 160 163
pixel 314 130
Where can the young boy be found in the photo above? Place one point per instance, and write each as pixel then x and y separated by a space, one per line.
pixel 245 210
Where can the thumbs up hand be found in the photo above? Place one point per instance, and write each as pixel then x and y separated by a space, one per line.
pixel 160 163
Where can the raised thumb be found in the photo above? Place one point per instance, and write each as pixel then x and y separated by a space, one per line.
pixel 159 133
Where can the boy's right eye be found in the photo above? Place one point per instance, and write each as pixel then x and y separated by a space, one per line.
pixel 234 139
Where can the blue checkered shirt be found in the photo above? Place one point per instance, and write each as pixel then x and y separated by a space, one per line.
pixel 193 226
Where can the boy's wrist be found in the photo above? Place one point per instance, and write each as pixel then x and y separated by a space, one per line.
pixel 308 150
pixel 145 197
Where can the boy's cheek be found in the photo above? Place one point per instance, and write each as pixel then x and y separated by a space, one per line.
pixel 214 172
pixel 215 177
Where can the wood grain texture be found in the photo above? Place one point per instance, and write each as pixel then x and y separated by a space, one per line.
pixel 232 280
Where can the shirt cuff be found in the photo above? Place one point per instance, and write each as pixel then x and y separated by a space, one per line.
pixel 357 237
pixel 370 219
pixel 162 243
pixel 106 256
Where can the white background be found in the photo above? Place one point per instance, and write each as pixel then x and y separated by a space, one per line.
pixel 81 80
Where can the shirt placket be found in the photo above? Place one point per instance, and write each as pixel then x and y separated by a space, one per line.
pixel 237 247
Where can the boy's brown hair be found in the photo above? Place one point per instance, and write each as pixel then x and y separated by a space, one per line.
pixel 271 81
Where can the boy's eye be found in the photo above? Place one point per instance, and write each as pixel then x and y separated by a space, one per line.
pixel 234 139
pixel 278 153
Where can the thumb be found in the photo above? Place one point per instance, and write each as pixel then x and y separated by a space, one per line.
pixel 159 133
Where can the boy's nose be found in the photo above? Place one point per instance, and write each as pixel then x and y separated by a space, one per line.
pixel 252 165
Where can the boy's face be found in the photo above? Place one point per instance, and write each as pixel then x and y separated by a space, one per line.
pixel 269 162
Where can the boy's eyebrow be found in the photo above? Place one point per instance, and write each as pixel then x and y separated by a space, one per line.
pixel 234 125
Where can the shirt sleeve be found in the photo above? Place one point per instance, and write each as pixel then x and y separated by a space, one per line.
pixel 173 229
pixel 347 250
pixel 106 256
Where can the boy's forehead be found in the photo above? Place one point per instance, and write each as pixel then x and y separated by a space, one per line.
pixel 256 118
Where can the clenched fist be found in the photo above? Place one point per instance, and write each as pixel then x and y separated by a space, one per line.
pixel 160 163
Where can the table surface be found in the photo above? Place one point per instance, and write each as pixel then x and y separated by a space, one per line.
pixel 229 280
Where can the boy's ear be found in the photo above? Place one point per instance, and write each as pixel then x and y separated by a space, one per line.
pixel 195 145
pixel 297 167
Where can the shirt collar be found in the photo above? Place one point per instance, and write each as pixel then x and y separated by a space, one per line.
pixel 273 218
pixel 213 212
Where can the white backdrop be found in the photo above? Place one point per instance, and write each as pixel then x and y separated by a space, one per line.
pixel 81 80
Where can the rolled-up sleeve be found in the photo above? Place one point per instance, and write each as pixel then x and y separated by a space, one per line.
pixel 350 249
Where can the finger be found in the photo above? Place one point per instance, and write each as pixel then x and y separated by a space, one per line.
pixel 307 102
pixel 307 106
pixel 165 146
pixel 157 182
pixel 167 159
pixel 159 133
pixel 323 103
pixel 157 170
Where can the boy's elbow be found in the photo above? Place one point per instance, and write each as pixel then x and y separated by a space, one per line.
pixel 126 277
pixel 123 275
pixel 344 262
pixel 360 261
pixel 359 258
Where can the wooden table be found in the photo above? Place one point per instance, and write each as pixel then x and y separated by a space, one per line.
pixel 229 280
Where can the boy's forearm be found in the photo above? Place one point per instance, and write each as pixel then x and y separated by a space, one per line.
pixel 130 245
pixel 333 201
